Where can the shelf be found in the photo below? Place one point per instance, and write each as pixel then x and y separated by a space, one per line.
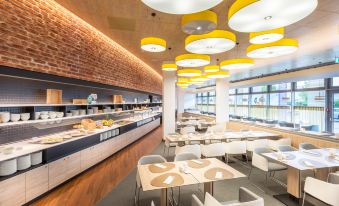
pixel 59 119
pixel 70 104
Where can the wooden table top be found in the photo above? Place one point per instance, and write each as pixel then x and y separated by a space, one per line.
pixel 307 159
pixel 194 175
pixel 226 135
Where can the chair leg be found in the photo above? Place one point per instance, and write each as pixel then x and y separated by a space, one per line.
pixel 226 158
pixel 304 196
pixel 135 194
pixel 249 174
pixel 266 178
pixel 246 158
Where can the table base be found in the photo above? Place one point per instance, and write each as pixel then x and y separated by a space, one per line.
pixel 290 200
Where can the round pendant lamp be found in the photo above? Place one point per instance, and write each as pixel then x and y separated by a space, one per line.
pixel 211 68
pixel 180 6
pixel 233 64
pixel 182 84
pixel 263 15
pixel 201 78
pixel 169 67
pixel 218 75
pixel 266 37
pixel 153 44
pixel 189 72
pixel 182 79
pixel 275 49
pixel 199 23
pixel 192 60
pixel 197 82
pixel 215 42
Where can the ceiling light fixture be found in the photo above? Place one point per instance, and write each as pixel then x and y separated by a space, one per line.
pixel 182 84
pixel 263 15
pixel 180 6
pixel 201 78
pixel 218 75
pixel 266 37
pixel 235 64
pixel 215 42
pixel 153 44
pixel 189 72
pixel 182 79
pixel 199 23
pixel 169 67
pixel 275 49
pixel 192 60
pixel 211 68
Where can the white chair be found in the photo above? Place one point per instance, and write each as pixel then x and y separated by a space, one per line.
pixel 251 145
pixel 187 130
pixel 324 191
pixel 149 159
pixel 245 198
pixel 333 178
pixel 235 148
pixel 274 144
pixel 260 162
pixel 218 128
pixel 195 149
pixel 185 156
pixel 213 150
pixel 168 145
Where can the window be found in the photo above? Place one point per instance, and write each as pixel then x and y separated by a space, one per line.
pixel 258 106
pixel 242 105
pixel 259 89
pixel 281 87
pixel 311 84
pixel 232 104
pixel 335 82
pixel 231 91
pixel 280 107
pixel 243 90
pixel 309 109
pixel 206 102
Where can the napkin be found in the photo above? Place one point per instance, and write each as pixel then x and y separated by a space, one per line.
pixel 198 162
pixel 308 163
pixel 218 175
pixel 160 166
pixel 169 180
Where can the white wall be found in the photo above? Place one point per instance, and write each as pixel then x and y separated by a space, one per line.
pixel 169 102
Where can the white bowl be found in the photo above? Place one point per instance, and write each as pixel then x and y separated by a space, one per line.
pixel 23 162
pixel 44 116
pixel 4 117
pixel 52 115
pixel 8 167
pixel 44 112
pixel 68 114
pixel 37 115
pixel 75 112
pixel 25 116
pixel 15 117
pixel 59 114
pixel 36 158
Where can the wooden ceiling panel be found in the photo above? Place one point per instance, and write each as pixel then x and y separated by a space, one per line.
pixel 128 21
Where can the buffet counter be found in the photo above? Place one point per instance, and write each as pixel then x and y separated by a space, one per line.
pixel 63 160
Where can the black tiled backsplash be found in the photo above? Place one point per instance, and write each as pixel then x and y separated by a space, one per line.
pixel 26 91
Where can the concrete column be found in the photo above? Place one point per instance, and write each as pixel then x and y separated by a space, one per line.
pixel 180 100
pixel 222 102
pixel 168 102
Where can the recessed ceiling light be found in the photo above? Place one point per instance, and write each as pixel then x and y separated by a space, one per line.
pixel 275 49
pixel 189 72
pixel 180 6
pixel 192 60
pixel 153 44
pixel 263 15
pixel 199 23
pixel 265 37
pixel 215 42
pixel 235 64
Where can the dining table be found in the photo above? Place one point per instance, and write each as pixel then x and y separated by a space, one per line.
pixel 182 139
pixel 163 176
pixel 321 161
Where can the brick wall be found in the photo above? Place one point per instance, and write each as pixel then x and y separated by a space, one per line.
pixel 42 36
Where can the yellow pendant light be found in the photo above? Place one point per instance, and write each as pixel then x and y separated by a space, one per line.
pixel 182 79
pixel 192 60
pixel 211 68
pixel 180 6
pixel 197 82
pixel 169 67
pixel 180 84
pixel 215 42
pixel 266 37
pixel 199 23
pixel 231 64
pixel 153 44
pixel 275 49
pixel 263 15
pixel 189 72
pixel 218 75
pixel 201 78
